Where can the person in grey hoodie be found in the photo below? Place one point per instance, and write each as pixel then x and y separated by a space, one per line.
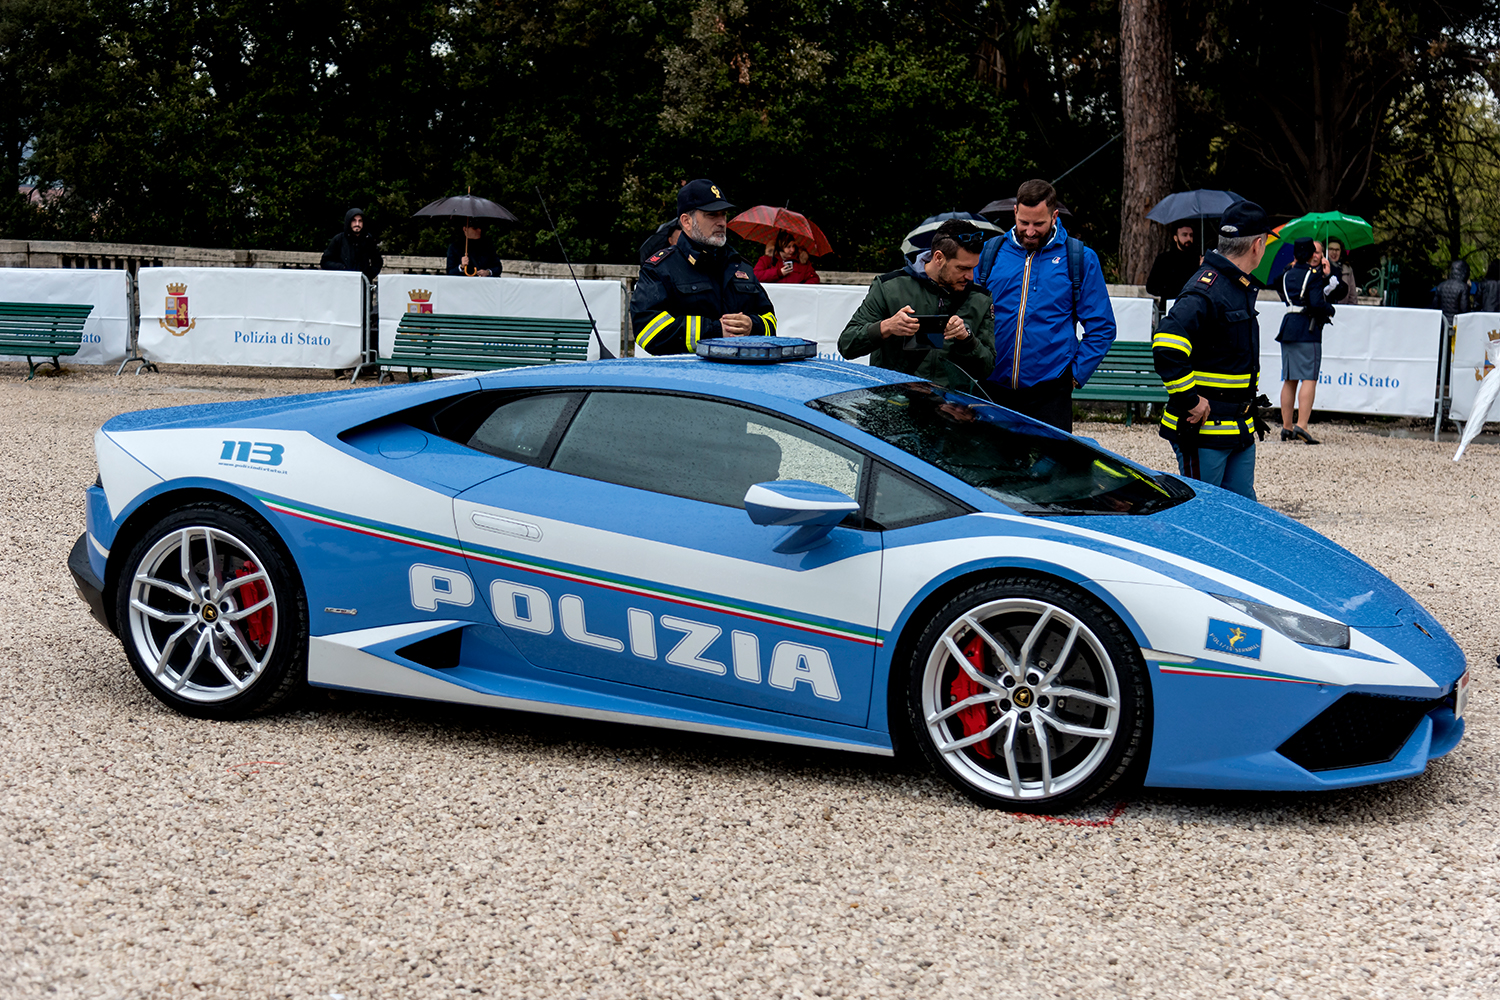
pixel 940 282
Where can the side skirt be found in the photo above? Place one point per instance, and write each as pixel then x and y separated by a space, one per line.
pixel 340 661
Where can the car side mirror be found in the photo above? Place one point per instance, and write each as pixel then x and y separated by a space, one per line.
pixel 812 509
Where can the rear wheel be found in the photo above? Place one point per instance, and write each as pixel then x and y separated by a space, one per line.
pixel 214 618
pixel 1029 695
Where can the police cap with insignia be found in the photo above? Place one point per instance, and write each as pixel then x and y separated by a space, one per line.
pixel 700 196
pixel 1244 218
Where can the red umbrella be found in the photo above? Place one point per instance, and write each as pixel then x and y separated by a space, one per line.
pixel 763 222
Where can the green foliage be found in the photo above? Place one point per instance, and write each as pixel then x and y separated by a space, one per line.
pixel 227 124
pixel 1440 193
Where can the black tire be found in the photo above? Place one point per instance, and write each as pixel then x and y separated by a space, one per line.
pixel 992 749
pixel 226 643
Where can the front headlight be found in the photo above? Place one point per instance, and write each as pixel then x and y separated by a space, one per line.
pixel 1309 629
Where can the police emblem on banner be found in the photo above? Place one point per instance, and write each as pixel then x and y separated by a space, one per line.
pixel 176 317
pixel 421 301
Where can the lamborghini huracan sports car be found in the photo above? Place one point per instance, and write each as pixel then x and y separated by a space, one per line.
pixel 803 551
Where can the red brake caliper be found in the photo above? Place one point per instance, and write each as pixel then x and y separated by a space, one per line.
pixel 257 623
pixel 974 718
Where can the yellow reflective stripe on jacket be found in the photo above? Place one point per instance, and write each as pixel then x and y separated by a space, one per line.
pixel 1172 342
pixel 1219 380
pixel 1181 384
pixel 694 330
pixel 658 323
pixel 769 319
pixel 1222 428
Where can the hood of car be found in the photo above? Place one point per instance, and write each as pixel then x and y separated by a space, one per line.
pixel 1239 536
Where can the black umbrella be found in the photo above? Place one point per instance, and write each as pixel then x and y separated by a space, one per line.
pixel 1184 205
pixel 1009 205
pixel 1203 204
pixel 466 206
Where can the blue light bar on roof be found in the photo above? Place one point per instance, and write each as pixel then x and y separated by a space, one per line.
pixel 756 350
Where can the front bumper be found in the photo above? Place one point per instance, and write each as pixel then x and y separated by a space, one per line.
pixel 1253 733
pixel 89 587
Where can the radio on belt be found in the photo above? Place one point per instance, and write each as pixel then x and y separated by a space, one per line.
pixel 756 350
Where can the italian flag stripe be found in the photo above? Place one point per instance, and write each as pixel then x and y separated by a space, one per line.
pixel 531 566
pixel 1197 671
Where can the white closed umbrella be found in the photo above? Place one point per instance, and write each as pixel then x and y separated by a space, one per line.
pixel 1488 390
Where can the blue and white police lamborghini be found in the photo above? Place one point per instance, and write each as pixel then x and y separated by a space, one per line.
pixel 802 551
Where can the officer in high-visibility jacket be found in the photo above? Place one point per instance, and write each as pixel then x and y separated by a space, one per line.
pixel 1207 352
pixel 699 288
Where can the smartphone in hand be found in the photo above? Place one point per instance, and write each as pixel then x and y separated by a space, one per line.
pixel 930 330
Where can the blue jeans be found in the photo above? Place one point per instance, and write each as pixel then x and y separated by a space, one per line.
pixel 1232 470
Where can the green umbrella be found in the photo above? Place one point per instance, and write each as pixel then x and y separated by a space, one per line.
pixel 1351 230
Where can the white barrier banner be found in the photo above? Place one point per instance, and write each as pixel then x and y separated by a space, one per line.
pixel 548 298
pixel 817 312
pixel 1475 331
pixel 252 316
pixel 1132 319
pixel 106 333
pixel 1376 359
pixel 820 313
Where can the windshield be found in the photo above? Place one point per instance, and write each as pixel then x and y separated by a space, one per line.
pixel 1027 465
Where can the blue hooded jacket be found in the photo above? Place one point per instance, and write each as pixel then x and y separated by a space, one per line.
pixel 1032 300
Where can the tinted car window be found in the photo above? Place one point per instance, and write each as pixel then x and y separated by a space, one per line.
pixel 520 428
pixel 1027 465
pixel 898 502
pixel 696 448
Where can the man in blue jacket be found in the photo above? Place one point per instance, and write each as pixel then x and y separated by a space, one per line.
pixel 1043 284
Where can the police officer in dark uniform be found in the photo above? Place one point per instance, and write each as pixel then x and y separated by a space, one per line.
pixel 1207 352
pixel 699 288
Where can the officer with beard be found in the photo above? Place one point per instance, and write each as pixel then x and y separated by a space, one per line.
pixel 699 288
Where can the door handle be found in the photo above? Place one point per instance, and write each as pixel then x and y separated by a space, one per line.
pixel 506 526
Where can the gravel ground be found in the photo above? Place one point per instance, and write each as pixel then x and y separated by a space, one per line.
pixel 365 847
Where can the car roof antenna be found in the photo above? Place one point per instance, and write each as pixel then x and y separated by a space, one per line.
pixel 604 352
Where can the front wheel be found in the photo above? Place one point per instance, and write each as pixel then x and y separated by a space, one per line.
pixel 213 614
pixel 1029 695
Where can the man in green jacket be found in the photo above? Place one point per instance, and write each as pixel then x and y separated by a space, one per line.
pixel 940 282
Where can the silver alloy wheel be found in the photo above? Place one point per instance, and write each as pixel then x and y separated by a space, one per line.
pixel 1039 712
pixel 203 614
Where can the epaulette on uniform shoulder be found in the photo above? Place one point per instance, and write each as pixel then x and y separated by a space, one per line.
pixel 661 255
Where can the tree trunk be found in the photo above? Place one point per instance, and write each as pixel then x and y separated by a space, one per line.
pixel 1149 108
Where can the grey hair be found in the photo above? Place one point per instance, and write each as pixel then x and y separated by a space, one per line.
pixel 1234 246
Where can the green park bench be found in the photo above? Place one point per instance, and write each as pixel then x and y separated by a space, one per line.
pixel 39 331
pixel 448 341
pixel 1127 374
